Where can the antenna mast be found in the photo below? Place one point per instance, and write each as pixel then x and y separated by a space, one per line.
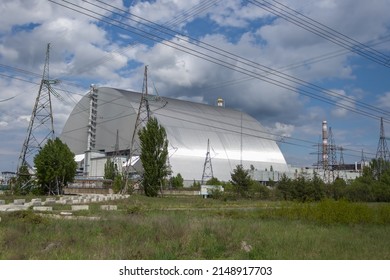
pixel 41 127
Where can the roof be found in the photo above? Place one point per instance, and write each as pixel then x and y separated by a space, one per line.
pixel 234 136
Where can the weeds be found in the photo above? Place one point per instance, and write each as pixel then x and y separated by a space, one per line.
pixel 203 229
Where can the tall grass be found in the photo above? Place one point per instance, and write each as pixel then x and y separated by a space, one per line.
pixel 203 229
pixel 331 212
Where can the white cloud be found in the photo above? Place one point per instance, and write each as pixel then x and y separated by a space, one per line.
pixel 86 52
pixel 343 106
pixel 384 100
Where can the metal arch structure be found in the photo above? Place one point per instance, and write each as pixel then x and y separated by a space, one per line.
pixel 189 125
pixel 41 126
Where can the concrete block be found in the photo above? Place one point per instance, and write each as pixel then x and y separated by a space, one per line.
pixel 19 201
pixel 43 208
pixel 12 208
pixel 2 202
pixel 49 201
pixel 36 200
pixel 35 203
pixel 66 213
pixel 80 207
pixel 109 207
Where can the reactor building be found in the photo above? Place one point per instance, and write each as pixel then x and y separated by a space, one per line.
pixel 103 122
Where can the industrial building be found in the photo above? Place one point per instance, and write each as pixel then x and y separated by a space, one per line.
pixel 103 122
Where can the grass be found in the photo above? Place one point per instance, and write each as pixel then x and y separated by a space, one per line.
pixel 195 228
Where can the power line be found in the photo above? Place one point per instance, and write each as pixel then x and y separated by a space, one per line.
pixel 307 88
pixel 323 31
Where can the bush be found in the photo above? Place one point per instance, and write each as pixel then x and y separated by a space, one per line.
pixel 118 184
pixel 216 193
pixel 213 182
pixel 177 182
pixel 258 190
pixel 241 180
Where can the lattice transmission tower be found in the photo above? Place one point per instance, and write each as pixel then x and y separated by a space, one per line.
pixel 41 127
pixel 342 171
pixel 333 167
pixel 382 152
pixel 143 117
pixel 207 167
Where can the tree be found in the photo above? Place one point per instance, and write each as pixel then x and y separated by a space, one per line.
pixel 283 187
pixel 177 182
pixel 213 182
pixel 241 180
pixel 154 154
pixel 109 170
pixel 118 184
pixel 55 166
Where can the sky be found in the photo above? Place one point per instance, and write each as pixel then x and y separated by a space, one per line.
pixel 289 64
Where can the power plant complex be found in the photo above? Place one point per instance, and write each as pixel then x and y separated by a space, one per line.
pixel 205 141
pixel 103 123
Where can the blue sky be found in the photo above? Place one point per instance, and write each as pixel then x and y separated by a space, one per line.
pixel 86 50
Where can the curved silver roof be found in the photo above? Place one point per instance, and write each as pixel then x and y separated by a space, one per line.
pixel 235 137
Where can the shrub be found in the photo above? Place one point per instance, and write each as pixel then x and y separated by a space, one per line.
pixel 213 182
pixel 177 182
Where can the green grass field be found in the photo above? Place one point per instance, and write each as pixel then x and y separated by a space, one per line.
pixel 196 228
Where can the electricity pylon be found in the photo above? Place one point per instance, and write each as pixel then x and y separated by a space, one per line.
pixel 207 167
pixel 333 169
pixel 382 153
pixel 142 118
pixel 41 127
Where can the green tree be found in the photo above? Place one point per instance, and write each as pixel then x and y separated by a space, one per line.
pixel 109 170
pixel 118 183
pixel 55 166
pixel 284 188
pixel 213 182
pixel 177 182
pixel 241 180
pixel 154 153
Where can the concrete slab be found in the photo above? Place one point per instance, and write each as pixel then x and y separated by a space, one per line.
pixel 62 202
pixel 33 203
pixel 11 208
pixel 19 201
pixel 68 201
pixel 80 207
pixel 42 208
pixel 109 207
